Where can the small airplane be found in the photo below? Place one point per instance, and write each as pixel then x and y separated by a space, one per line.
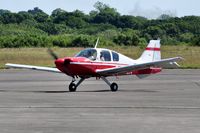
pixel 102 63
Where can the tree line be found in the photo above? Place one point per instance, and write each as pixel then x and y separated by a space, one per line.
pixel 35 28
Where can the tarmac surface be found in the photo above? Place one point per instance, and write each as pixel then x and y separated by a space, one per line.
pixel 39 102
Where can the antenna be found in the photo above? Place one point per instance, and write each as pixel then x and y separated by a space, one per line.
pixel 96 43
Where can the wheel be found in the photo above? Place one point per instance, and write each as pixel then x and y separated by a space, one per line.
pixel 72 87
pixel 114 87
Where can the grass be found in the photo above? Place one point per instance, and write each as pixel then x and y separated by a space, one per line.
pixel 39 56
pixel 33 56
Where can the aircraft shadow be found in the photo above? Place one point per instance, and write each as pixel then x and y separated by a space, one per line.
pixel 18 91
pixel 68 91
pixel 21 91
pixel 95 91
pixel 88 91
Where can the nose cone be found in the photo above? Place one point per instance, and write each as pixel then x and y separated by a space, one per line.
pixel 63 64
pixel 59 62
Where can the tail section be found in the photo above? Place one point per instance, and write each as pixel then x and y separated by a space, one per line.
pixel 152 52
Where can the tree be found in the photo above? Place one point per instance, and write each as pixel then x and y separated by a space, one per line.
pixel 105 14
pixel 127 39
pixel 48 27
pixel 186 37
pixel 171 29
pixel 93 14
pixel 164 17
pixel 103 8
pixel 39 15
pixel 155 32
pixel 196 40
pixel 4 11
pixel 78 13
pixel 94 29
pixel 75 22
pixel 30 22
pixel 127 21
pixel 104 18
pixel 57 12
pixel 82 41
pixel 9 18
pixel 60 18
pixel 35 11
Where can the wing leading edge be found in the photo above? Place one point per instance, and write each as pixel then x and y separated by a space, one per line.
pixel 129 68
pixel 39 68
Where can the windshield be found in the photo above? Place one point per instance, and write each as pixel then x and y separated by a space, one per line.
pixel 88 53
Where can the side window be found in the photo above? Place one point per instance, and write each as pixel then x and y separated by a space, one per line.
pixel 115 56
pixel 105 56
pixel 88 53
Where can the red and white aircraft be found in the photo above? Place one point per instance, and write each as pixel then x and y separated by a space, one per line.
pixel 101 63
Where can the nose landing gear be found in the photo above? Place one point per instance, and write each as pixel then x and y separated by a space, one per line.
pixel 73 86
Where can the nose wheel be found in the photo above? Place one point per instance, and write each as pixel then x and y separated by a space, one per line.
pixel 73 86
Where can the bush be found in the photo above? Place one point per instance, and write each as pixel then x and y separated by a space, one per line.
pixel 123 39
pixel 61 40
pixel 83 41
pixel 196 41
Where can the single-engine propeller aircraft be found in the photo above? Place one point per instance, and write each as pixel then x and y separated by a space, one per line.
pixel 102 63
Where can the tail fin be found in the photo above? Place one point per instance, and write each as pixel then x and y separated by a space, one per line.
pixel 152 52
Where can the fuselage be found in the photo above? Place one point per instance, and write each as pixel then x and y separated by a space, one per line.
pixel 88 61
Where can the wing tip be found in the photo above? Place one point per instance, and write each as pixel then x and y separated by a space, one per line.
pixel 7 65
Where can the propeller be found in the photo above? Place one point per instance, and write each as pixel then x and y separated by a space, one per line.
pixel 53 54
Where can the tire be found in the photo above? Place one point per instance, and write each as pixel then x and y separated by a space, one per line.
pixel 114 87
pixel 72 87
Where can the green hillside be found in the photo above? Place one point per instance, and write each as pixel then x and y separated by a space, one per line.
pixel 35 28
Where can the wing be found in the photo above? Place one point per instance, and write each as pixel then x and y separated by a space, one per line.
pixel 126 69
pixel 39 68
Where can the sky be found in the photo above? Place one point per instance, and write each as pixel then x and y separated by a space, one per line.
pixel 146 8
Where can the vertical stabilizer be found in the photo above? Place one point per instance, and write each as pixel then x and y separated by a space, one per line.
pixel 152 52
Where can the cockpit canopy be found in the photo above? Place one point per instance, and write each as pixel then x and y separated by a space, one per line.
pixel 99 54
pixel 88 53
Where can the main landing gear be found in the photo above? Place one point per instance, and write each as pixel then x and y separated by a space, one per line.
pixel 73 86
pixel 113 86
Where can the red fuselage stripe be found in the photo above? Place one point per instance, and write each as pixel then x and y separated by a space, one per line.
pixel 153 49
pixel 99 64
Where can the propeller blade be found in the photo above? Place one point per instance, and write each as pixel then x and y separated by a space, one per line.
pixel 53 54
